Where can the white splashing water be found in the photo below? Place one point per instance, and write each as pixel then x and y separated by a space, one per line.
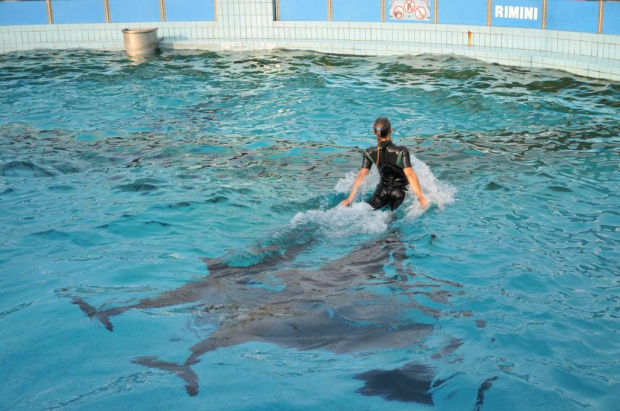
pixel 360 218
pixel 435 191
pixel 336 222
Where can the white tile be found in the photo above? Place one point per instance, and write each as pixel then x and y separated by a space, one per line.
pixel 581 66
pixel 611 39
pixel 386 35
pixel 607 76
pixel 572 47
pixel 573 35
pixel 600 49
pixel 590 37
pixel 606 51
pixel 8 37
pixel 562 35
pixel 496 41
pixel 594 67
pixel 591 51
pixel 42 36
pixel 538 59
pixel 571 64
pixel 514 57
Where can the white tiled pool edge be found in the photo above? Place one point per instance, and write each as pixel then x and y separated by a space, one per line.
pixel 248 25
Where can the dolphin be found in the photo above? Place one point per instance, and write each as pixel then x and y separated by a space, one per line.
pixel 360 302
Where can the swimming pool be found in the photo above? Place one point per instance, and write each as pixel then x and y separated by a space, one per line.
pixel 122 181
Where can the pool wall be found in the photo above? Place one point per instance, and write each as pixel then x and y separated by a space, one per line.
pixel 267 24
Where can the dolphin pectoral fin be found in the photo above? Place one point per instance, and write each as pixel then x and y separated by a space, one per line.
pixel 91 312
pixel 86 308
pixel 410 383
pixel 488 383
pixel 105 320
pixel 182 371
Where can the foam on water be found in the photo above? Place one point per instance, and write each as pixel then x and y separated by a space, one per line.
pixel 436 192
pixel 360 218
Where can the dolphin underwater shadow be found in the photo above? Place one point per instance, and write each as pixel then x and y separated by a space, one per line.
pixel 361 302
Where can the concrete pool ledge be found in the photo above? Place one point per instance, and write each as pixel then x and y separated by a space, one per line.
pixel 583 54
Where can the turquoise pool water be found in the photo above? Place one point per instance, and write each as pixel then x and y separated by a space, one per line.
pixel 121 182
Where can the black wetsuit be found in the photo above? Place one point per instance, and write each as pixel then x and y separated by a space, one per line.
pixel 392 160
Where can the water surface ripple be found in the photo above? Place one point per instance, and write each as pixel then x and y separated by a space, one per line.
pixel 118 178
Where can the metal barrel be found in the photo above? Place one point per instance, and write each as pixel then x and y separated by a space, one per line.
pixel 140 42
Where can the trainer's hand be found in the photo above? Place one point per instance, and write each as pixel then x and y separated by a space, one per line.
pixel 345 203
pixel 423 202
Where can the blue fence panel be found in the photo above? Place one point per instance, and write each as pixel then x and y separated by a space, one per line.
pixel 573 15
pixel 471 12
pixel 78 11
pixel 190 10
pixel 517 13
pixel 611 20
pixel 409 11
pixel 128 11
pixel 356 10
pixel 23 12
pixel 303 10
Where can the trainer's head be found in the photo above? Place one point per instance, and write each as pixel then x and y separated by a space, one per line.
pixel 382 127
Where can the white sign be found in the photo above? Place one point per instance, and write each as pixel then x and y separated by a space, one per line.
pixel 516 12
pixel 410 10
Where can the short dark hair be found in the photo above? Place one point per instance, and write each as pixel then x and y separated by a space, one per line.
pixel 382 127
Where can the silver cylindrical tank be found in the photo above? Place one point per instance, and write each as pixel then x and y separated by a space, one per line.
pixel 141 42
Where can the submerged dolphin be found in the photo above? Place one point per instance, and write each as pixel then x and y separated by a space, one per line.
pixel 348 305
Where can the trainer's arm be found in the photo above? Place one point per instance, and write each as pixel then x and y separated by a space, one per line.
pixel 356 185
pixel 414 183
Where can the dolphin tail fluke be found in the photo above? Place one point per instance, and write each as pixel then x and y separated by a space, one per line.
pixel 92 312
pixel 182 371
